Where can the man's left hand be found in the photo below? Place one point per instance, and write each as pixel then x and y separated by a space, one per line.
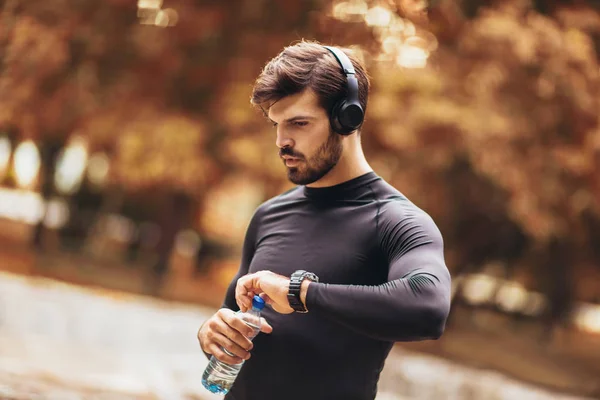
pixel 273 288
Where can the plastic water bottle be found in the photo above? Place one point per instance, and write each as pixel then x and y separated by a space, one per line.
pixel 218 377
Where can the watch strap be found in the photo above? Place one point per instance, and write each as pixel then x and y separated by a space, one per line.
pixel 296 280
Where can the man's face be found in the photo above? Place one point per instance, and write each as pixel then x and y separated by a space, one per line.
pixel 307 145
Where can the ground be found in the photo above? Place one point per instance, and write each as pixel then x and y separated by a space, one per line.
pixel 64 341
pixel 59 341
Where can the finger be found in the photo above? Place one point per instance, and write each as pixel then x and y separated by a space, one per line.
pixel 220 355
pixel 265 327
pixel 266 298
pixel 244 292
pixel 248 299
pixel 199 336
pixel 243 285
pixel 230 348
pixel 243 329
pixel 244 301
pixel 234 328
pixel 239 337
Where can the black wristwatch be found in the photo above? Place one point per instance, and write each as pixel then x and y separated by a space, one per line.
pixel 294 291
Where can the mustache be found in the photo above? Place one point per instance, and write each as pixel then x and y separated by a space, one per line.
pixel 287 151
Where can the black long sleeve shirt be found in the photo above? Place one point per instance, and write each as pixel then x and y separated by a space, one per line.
pixel 382 276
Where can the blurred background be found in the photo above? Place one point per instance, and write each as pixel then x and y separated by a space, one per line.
pixel 131 162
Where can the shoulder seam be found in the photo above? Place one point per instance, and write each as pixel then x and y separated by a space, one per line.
pixel 376 198
pixel 411 229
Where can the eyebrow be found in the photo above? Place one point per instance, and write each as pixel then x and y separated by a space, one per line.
pixel 294 119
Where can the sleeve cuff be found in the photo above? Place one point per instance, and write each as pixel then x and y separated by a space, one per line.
pixel 312 296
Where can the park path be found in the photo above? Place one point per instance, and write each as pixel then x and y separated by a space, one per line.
pixel 63 342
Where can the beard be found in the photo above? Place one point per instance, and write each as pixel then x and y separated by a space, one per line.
pixel 317 166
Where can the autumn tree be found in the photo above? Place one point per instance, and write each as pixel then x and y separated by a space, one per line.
pixel 495 134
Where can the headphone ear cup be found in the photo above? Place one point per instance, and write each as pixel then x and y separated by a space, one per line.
pixel 350 116
pixel 334 119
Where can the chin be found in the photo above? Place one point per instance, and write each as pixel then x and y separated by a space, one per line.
pixel 298 177
pixel 298 180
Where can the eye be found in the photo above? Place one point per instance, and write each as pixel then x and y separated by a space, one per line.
pixel 300 123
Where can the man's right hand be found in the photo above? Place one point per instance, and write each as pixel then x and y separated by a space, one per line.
pixel 225 330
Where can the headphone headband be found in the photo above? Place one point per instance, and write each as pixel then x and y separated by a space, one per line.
pixel 342 59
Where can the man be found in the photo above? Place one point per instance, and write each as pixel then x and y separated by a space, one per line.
pixel 347 263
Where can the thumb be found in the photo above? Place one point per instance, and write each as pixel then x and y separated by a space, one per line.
pixel 266 298
pixel 265 327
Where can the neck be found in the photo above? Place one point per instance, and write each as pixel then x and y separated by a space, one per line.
pixel 352 164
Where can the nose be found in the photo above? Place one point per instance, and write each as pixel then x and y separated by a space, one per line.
pixel 283 140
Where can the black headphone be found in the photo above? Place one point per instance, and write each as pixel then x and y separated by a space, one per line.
pixel 347 115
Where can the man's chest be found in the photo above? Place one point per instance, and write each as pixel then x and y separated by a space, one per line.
pixel 338 249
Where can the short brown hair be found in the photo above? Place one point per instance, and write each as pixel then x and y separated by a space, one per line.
pixel 308 64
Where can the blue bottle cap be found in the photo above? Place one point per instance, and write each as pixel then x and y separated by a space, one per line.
pixel 258 302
